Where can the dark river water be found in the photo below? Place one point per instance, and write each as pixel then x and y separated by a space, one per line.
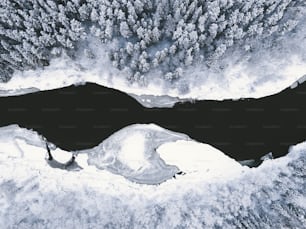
pixel 80 117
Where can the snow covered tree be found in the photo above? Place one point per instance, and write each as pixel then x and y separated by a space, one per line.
pixel 163 35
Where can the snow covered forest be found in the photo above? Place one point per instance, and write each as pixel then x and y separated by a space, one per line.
pixel 159 52
pixel 141 36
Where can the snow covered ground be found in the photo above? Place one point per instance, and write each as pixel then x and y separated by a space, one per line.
pixel 215 192
pixel 243 80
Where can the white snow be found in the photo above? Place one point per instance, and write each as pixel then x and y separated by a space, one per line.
pixel 150 154
pixel 264 72
pixel 237 81
pixel 144 153
pixel 132 151
pixel 195 157
pixel 255 73
pixel 34 195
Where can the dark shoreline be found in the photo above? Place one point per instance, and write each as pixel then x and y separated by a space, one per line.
pixel 81 117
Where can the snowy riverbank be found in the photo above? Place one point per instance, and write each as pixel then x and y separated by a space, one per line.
pixel 216 191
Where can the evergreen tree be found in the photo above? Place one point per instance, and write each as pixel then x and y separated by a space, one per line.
pixel 163 35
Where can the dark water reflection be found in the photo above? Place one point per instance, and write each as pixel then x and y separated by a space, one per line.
pixel 81 117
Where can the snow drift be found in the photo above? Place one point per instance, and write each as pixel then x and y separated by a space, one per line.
pixel 36 195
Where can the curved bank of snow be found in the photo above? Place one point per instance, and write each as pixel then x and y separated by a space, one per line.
pixel 239 80
pixel 34 195
pixel 145 154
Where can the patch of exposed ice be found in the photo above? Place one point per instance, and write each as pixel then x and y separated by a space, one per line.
pixel 151 101
pixel 131 152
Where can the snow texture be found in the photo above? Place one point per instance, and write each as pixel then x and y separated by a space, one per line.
pixel 34 195
pixel 131 152
pixel 175 49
